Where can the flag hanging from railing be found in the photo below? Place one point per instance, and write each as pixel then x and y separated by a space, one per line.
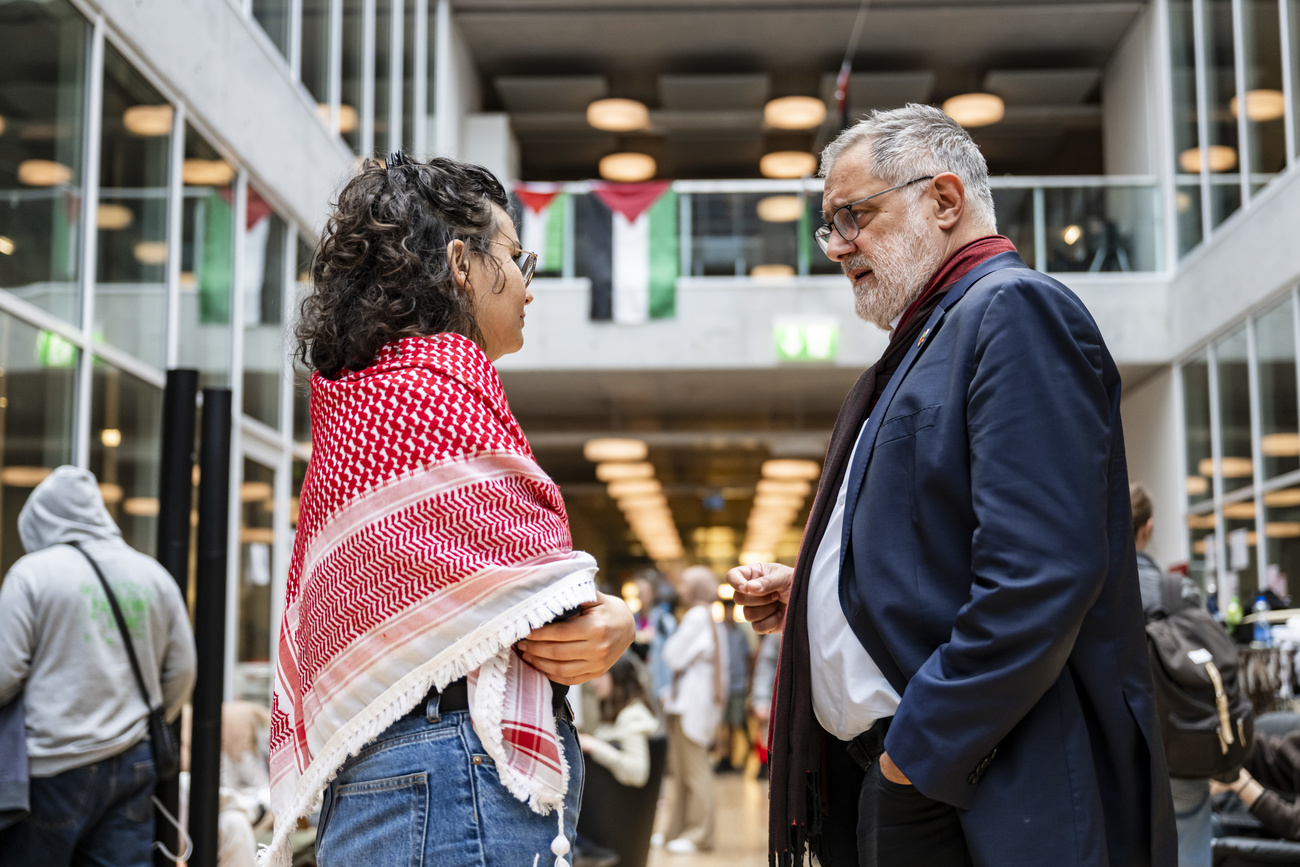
pixel 631 254
pixel 543 223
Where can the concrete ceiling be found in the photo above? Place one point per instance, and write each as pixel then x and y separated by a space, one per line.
pixel 705 69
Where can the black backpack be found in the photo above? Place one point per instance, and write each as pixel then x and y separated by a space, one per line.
pixel 1205 721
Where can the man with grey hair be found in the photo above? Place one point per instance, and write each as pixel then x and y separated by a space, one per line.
pixel 964 674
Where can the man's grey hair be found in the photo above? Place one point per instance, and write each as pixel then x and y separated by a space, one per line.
pixel 915 141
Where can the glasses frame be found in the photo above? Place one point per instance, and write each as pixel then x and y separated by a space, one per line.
pixel 822 234
pixel 525 259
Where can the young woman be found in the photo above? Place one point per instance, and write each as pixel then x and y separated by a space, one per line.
pixel 621 742
pixel 419 688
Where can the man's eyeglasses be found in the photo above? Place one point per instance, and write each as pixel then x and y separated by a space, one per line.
pixel 845 219
pixel 526 261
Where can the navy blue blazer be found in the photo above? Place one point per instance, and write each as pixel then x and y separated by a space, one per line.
pixel 989 570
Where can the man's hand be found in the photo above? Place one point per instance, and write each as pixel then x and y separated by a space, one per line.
pixel 587 743
pixel 762 590
pixel 891 771
pixel 584 647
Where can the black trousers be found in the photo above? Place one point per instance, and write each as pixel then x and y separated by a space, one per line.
pixel 872 822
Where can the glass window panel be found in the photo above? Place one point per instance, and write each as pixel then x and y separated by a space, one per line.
pixel 1200 531
pixel 1101 229
pixel 273 15
pixel 207 261
pixel 316 49
pixel 125 450
pixel 1221 84
pixel 1239 518
pixel 131 254
pixel 256 537
pixel 1282 540
pixel 264 247
pixel 383 73
pixel 1280 434
pixel 301 378
pixel 43 48
pixel 37 392
pixel 1196 414
pixel 732 234
pixel 353 52
pixel 1187 140
pixel 1015 215
pixel 1293 26
pixel 409 73
pixel 1265 104
pixel 1236 465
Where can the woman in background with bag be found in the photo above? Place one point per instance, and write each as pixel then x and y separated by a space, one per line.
pixel 93 766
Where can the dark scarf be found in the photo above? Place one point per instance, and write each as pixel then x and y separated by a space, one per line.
pixel 797 789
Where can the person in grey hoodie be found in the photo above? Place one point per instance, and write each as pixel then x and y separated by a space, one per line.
pixel 92 774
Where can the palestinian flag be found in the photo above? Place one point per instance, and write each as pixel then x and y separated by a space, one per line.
pixel 543 217
pixel 628 249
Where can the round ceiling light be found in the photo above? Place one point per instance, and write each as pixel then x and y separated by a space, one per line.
pixel 615 471
pixel 1222 158
pixel 1286 497
pixel 628 167
pixel 148 120
pixel 614 449
pixel 1231 467
pixel 348 119
pixel 787 468
pixel 24 477
pixel 618 115
pixel 771 272
pixel 634 487
pixel 793 486
pixel 112 216
pixel 794 112
pixel 150 252
pixel 207 173
pixel 975 109
pixel 141 507
pixel 43 173
pixel 1280 445
pixel 780 209
pixel 1261 105
pixel 787 164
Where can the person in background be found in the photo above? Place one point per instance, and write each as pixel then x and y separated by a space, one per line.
pixel 1272 766
pixel 697 655
pixel 760 696
pixel 734 715
pixel 92 771
pixel 621 742
pixel 655 623
pixel 1193 812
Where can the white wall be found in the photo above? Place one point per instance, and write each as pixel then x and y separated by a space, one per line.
pixel 1129 106
pixel 1151 443
pixel 486 139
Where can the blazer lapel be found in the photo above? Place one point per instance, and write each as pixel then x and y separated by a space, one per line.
pixel 867 442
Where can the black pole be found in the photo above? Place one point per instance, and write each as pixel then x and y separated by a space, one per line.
pixel 175 495
pixel 210 624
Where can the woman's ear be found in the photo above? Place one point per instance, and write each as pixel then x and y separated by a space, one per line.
pixel 458 261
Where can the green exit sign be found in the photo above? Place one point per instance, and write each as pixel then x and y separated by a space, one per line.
pixel 806 340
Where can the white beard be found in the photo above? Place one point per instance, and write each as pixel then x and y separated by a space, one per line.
pixel 901 266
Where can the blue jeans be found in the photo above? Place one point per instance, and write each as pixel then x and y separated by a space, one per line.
pixel 426 793
pixel 100 814
pixel 1192 815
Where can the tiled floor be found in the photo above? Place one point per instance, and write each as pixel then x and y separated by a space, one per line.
pixel 741 827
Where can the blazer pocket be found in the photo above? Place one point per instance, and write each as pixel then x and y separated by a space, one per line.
pixel 908 425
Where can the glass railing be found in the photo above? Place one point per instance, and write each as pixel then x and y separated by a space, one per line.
pixel 762 229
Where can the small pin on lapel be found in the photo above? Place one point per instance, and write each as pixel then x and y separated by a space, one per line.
pixel 924 334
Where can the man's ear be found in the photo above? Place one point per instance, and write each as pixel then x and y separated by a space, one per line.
pixel 949 199
pixel 458 261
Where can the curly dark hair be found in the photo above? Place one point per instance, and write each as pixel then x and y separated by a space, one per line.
pixel 381 270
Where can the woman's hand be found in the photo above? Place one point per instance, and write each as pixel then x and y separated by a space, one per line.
pixel 581 648
pixel 762 590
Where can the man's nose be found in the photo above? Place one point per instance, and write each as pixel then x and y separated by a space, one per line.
pixel 839 249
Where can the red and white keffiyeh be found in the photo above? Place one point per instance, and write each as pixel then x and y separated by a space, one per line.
pixel 429 542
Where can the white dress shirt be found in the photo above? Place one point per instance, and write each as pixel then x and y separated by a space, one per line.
pixel 849 692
